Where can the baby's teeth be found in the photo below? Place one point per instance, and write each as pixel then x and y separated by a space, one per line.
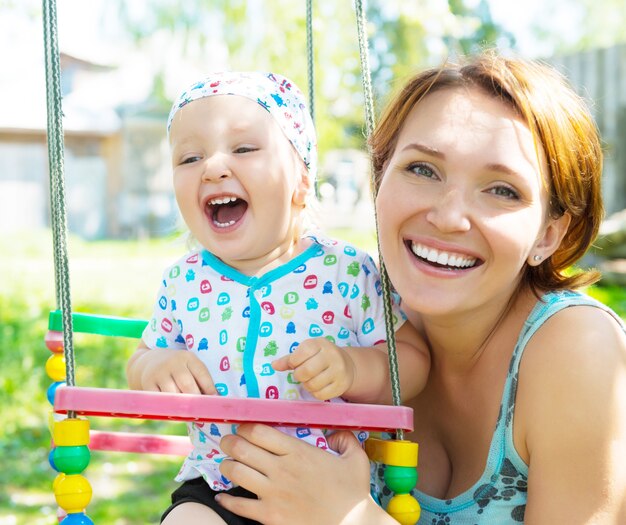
pixel 224 224
pixel 224 200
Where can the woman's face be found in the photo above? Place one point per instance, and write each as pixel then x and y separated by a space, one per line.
pixel 462 203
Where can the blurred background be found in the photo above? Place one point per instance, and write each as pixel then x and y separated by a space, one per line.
pixel 122 64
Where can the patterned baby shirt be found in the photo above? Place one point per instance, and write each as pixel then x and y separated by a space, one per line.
pixel 237 325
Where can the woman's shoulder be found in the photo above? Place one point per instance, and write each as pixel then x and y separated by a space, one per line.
pixel 575 360
pixel 575 332
pixel 576 326
pixel 571 399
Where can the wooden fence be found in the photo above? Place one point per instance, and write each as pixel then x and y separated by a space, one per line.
pixel 600 77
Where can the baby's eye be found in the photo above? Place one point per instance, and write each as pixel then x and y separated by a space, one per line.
pixel 190 160
pixel 245 149
pixel 422 170
pixel 504 191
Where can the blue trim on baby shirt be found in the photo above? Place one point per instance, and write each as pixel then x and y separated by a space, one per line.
pixel 254 284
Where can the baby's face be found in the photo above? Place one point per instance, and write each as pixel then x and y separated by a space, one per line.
pixel 239 183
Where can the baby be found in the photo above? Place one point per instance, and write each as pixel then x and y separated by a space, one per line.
pixel 264 307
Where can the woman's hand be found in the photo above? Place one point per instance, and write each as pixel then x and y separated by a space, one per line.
pixel 298 483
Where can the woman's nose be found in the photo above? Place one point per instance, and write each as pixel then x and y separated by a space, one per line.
pixel 216 168
pixel 449 213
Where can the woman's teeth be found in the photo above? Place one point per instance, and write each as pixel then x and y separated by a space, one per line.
pixel 443 258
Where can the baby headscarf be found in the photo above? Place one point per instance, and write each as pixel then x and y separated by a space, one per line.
pixel 274 93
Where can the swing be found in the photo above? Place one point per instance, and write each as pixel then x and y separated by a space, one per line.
pixel 71 434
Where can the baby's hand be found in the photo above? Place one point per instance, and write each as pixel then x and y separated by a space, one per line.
pixel 176 371
pixel 323 368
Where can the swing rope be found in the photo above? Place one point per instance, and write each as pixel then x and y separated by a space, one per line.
pixel 384 278
pixel 57 182
pixel 309 58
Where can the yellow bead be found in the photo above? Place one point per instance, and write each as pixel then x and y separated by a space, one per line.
pixel 71 432
pixel 404 508
pixel 73 493
pixel 398 453
pixel 57 480
pixel 55 367
pixel 51 422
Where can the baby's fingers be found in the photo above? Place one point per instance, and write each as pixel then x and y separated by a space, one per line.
pixel 283 363
pixel 306 350
pixel 204 380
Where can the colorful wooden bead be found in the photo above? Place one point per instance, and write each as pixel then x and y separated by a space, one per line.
pixel 51 460
pixel 72 492
pixel 71 460
pixel 78 518
pixel 57 480
pixel 392 452
pixel 71 432
pixel 55 367
pixel 400 479
pixel 404 508
pixel 400 458
pixel 54 341
pixel 52 390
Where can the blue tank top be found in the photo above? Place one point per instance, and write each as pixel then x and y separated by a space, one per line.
pixel 499 496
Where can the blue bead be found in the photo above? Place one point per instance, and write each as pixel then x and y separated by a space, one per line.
pixel 51 460
pixel 52 390
pixel 77 518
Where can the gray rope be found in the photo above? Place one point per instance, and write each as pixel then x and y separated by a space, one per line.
pixel 57 185
pixel 309 57
pixel 384 278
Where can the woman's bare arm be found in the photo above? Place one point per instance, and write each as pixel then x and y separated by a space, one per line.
pixel 572 414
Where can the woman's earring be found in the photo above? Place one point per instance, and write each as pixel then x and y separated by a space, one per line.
pixel 536 258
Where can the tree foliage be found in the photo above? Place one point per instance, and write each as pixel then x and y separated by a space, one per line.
pixel 254 34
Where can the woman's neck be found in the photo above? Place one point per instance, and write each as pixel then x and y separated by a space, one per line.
pixel 458 343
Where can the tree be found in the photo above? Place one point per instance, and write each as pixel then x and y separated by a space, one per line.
pixel 253 34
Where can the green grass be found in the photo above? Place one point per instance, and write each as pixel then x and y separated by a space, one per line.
pixel 612 295
pixel 115 278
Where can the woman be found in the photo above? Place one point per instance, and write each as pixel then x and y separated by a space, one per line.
pixel 489 190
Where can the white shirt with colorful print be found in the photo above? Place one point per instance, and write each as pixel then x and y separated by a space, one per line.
pixel 237 325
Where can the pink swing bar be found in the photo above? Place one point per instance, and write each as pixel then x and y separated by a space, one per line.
pixel 202 408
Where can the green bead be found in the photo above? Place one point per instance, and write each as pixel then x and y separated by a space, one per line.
pixel 400 480
pixel 71 460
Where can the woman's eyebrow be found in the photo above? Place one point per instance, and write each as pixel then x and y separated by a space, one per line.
pixel 425 149
pixel 502 168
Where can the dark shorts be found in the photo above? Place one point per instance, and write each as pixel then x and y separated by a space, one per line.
pixel 197 491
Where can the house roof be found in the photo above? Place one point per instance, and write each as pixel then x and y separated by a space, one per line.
pixel 24 95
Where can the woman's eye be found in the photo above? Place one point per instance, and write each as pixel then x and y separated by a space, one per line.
pixel 422 170
pixel 504 191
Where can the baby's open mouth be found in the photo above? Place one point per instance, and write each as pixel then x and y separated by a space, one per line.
pixel 442 259
pixel 226 211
